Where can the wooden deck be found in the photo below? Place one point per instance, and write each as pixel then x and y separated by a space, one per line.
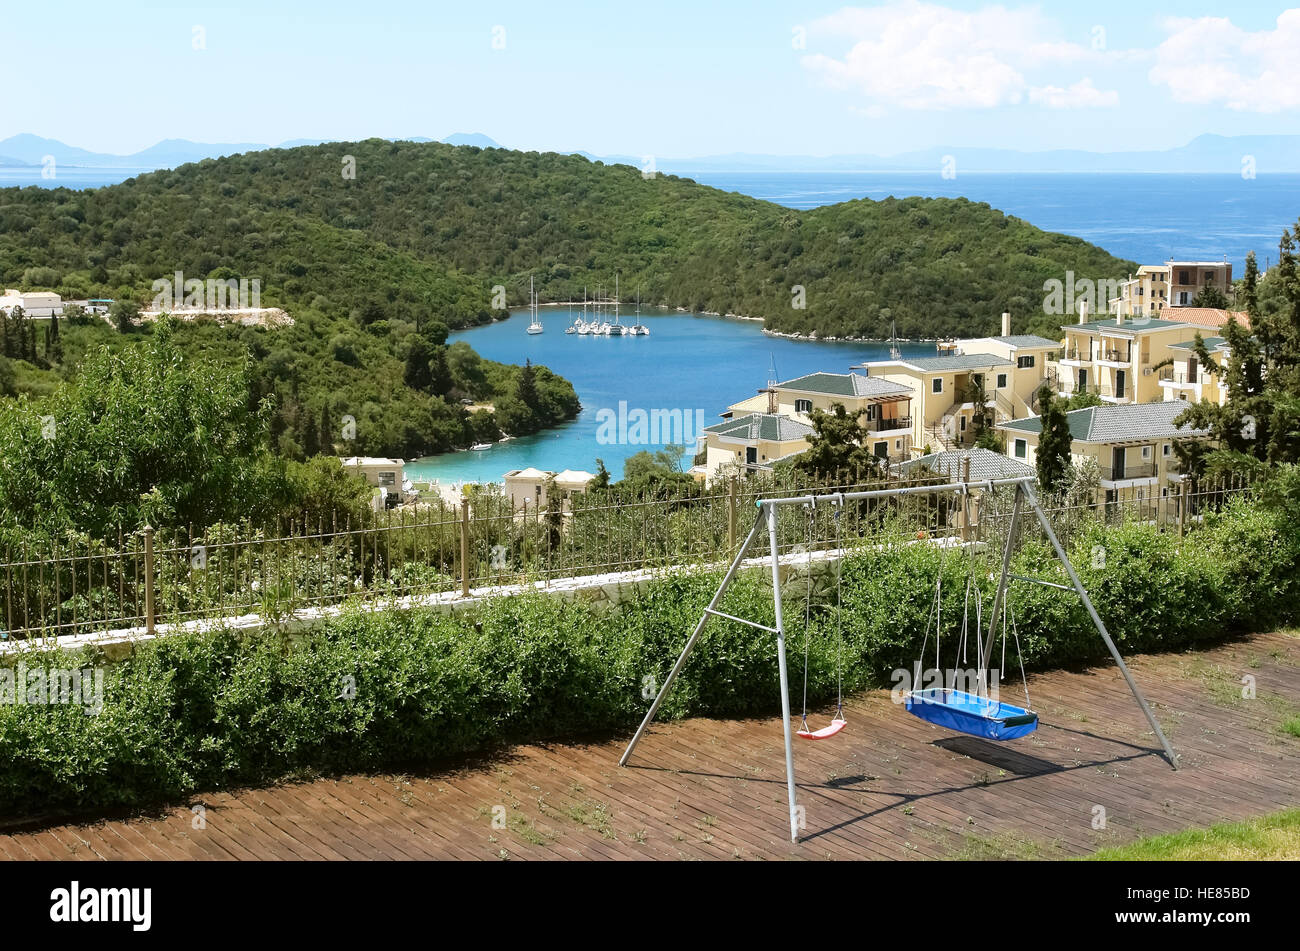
pixel 888 787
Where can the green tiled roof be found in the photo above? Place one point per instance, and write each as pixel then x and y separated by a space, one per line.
pixel 845 384
pixel 964 361
pixel 1119 422
pixel 1211 343
pixel 766 426
pixel 1027 341
pixel 1130 325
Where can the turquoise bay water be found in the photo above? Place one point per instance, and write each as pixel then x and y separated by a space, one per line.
pixel 688 362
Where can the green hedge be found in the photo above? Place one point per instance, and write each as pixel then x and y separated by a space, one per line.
pixel 190 713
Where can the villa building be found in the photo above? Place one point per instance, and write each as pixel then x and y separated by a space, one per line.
pixel 527 489
pixel 882 406
pixel 749 443
pixel 1156 287
pixel 1187 379
pixel 1115 358
pixel 1008 368
pixel 386 475
pixel 1188 278
pixel 1131 443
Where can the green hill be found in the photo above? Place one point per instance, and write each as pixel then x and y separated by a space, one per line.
pixel 426 229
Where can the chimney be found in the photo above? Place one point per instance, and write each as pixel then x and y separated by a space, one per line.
pixel 1119 317
pixel 1083 311
pixel 1006 323
pixel 771 401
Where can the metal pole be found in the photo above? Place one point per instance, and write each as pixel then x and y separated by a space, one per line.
pixel 464 546
pixel 1000 593
pixel 148 580
pixel 690 642
pixel 1101 628
pixel 780 661
pixel 731 513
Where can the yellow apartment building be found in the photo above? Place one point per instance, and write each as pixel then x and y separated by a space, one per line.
pixel 1115 358
pixel 1132 443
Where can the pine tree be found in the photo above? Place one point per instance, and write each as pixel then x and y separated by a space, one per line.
pixel 526 388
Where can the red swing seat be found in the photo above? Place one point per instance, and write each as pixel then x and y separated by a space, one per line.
pixel 825 733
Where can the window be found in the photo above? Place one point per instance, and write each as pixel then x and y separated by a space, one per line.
pixel 1002 381
pixel 1146 452
pixel 1025 362
pixel 872 411
pixel 1022 448
pixel 387 478
pixel 963 424
pixel 937 385
pixel 803 406
pixel 1182 277
pixel 1164 450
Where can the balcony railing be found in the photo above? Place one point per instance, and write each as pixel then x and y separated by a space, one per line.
pixel 1143 470
pixel 1112 355
pixel 890 423
pixel 1170 375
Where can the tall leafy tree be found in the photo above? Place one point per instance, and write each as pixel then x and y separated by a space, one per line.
pixel 839 447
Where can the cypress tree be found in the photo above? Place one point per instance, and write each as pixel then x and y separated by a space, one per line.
pixel 1053 459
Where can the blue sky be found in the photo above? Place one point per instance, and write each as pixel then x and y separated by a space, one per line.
pixel 667 78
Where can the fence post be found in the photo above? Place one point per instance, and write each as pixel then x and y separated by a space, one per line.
pixel 148 580
pixel 731 513
pixel 464 546
pixel 1182 507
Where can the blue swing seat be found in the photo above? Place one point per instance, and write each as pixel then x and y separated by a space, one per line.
pixel 967 713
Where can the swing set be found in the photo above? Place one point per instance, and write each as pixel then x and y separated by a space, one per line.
pixel 975 712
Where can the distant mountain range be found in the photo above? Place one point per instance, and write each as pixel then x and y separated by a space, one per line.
pixel 1205 153
pixel 25 150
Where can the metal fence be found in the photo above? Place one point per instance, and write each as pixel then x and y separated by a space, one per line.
pixel 147 578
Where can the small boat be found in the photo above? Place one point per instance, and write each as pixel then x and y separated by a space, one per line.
pixel 535 325
pixel 480 446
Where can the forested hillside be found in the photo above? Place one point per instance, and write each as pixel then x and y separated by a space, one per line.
pixel 425 229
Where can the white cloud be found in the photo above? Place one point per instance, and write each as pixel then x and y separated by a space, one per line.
pixel 916 55
pixel 1210 61
pixel 1081 95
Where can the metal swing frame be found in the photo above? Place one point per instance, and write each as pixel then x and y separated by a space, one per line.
pixel 767 513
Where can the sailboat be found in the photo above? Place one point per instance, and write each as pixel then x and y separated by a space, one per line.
pixel 618 330
pixel 535 325
pixel 639 329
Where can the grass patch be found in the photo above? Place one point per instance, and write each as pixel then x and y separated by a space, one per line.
pixel 1004 845
pixel 1275 836
pixel 1292 726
